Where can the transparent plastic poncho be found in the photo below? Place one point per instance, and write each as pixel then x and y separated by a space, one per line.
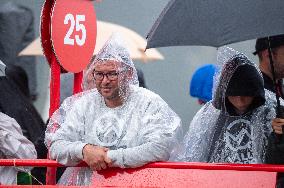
pixel 216 136
pixel 2 69
pixel 143 129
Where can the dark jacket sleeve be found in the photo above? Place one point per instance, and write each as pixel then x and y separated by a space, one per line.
pixel 275 149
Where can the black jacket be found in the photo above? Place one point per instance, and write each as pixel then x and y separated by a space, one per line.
pixel 16 105
pixel 275 148
pixel 268 84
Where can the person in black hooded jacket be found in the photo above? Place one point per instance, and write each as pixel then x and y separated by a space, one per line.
pixel 15 104
pixel 234 126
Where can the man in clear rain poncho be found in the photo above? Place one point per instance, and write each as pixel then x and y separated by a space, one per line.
pixel 234 126
pixel 117 124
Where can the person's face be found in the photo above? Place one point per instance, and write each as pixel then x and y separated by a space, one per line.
pixel 108 85
pixel 279 62
pixel 241 103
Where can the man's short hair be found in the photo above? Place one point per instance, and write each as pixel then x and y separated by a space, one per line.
pixel 262 43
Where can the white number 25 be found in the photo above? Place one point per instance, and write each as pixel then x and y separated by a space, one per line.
pixel 79 27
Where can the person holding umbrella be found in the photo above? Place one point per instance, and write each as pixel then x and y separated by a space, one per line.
pixel 277 48
pixel 275 149
pixel 234 126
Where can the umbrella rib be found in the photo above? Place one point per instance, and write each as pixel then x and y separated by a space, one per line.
pixel 156 24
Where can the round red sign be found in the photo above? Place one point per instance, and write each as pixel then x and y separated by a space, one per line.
pixel 73 33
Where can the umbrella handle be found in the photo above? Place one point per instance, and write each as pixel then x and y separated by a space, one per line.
pixel 280 114
pixel 278 109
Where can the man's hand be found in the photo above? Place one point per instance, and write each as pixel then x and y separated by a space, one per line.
pixel 96 157
pixel 277 125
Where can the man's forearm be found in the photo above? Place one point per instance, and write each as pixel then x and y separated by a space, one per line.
pixel 67 153
pixel 139 155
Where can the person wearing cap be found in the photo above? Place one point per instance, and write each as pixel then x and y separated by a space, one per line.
pixel 261 50
pixel 234 126
pixel 116 124
pixel 275 149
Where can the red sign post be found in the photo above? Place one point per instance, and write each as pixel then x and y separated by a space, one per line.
pixel 68 38
pixel 73 33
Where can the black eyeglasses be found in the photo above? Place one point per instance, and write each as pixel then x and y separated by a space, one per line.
pixel 110 75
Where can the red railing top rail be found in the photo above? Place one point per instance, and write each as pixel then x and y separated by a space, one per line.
pixel 173 165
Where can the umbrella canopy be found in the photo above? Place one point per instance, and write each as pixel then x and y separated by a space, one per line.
pixel 216 22
pixel 133 40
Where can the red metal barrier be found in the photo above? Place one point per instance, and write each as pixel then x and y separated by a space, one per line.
pixel 172 174
pixel 167 177
pixel 186 177
pixel 172 165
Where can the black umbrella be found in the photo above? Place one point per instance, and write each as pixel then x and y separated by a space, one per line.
pixel 216 23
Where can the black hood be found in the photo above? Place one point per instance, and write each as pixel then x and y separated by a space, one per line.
pixel 239 77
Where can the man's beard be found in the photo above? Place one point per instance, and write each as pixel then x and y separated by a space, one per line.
pixel 120 93
pixel 115 94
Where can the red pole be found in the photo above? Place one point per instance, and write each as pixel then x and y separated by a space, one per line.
pixel 54 105
pixel 54 86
